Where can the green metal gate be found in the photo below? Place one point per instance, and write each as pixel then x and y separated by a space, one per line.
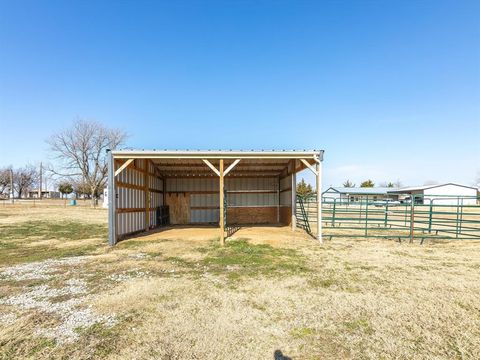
pixel 420 218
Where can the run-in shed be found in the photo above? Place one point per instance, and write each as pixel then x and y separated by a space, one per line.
pixel 148 189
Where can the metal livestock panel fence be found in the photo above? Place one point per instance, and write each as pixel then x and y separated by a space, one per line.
pixel 417 217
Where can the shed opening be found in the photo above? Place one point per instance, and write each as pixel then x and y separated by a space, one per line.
pixel 228 189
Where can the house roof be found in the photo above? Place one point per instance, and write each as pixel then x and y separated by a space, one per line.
pixel 425 187
pixel 359 190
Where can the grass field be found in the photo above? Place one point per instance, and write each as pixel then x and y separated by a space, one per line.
pixel 65 294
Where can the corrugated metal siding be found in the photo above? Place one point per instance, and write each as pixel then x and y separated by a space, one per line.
pixel 234 199
pixel 286 196
pixel 199 203
pixel 251 183
pixel 197 200
pixel 130 222
pixel 252 199
pixel 205 216
pixel 182 184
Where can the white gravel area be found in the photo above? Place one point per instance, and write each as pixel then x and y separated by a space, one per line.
pixel 129 275
pixel 8 319
pixel 139 256
pixel 72 312
pixel 41 270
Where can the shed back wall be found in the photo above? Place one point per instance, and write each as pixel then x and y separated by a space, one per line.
pixel 243 195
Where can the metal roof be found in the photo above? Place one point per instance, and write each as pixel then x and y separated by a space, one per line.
pixel 425 187
pixel 219 154
pixel 360 190
pixel 200 163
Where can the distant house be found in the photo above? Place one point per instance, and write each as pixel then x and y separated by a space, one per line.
pixel 46 194
pixel 443 194
pixel 354 194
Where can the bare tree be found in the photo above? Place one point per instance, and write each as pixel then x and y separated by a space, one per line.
pixel 348 184
pixel 24 179
pixel 80 152
pixel 5 180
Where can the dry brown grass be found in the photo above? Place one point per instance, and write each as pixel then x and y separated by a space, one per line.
pixel 177 295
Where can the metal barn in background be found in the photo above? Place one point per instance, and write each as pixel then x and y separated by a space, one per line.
pixel 149 189
pixel 441 194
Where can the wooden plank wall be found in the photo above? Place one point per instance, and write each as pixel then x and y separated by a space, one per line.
pixel 179 207
pixel 286 215
pixel 252 215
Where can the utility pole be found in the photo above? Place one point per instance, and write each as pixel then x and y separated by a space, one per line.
pixel 12 193
pixel 40 182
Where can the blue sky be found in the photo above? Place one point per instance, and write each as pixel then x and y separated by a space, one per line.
pixel 390 89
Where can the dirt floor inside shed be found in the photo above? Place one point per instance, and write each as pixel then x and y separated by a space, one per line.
pixel 177 294
pixel 265 234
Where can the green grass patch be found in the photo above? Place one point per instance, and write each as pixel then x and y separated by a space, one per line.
pixel 302 332
pixel 16 240
pixel 175 260
pixel 100 339
pixel 240 258
pixel 40 253
pixel 43 230
pixel 359 325
pixel 323 282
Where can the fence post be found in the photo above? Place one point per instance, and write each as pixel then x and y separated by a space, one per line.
pixel 461 218
pixel 412 218
pixel 360 214
pixel 458 218
pixel 366 217
pixel 386 215
pixel 333 214
pixel 430 216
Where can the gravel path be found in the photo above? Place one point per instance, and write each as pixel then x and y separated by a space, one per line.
pixel 71 309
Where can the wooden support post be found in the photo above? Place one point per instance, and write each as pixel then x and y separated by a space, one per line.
pixel 294 195
pixel 278 200
pixel 164 191
pixel 222 217
pixel 319 201
pixel 112 201
pixel 146 183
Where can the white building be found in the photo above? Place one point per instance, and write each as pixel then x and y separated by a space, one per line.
pixel 443 194
pixel 355 194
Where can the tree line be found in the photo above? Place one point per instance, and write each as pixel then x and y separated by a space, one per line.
pixel 26 179
pixel 79 165
pixel 369 184
pixel 17 180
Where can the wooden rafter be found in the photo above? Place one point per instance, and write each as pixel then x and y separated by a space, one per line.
pixel 309 166
pixel 232 165
pixel 209 164
pixel 124 165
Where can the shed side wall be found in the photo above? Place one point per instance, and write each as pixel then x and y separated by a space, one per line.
pixel 130 196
